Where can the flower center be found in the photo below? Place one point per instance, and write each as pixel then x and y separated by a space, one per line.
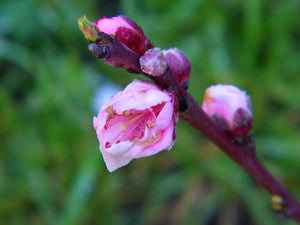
pixel 123 126
pixel 133 125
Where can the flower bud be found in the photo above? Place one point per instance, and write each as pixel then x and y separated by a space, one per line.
pixel 230 107
pixel 179 65
pixel 127 31
pixel 136 122
pixel 153 62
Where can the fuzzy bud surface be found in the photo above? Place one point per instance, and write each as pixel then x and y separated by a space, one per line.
pixel 153 62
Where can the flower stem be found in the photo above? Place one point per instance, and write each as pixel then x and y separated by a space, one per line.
pixel 244 156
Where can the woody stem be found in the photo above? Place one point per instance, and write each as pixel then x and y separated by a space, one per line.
pixel 245 157
pixel 192 113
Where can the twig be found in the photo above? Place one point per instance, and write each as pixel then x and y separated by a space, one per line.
pixel 245 157
pixel 111 51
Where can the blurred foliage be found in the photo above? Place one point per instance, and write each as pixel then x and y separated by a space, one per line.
pixel 51 171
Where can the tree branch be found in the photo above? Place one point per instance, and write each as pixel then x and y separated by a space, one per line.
pixel 113 52
pixel 244 156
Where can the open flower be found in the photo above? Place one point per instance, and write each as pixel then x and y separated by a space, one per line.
pixel 230 107
pixel 128 32
pixel 134 123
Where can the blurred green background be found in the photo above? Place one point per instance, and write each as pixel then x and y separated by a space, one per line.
pixel 51 171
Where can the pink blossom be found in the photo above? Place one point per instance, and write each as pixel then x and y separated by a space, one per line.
pixel 230 107
pixel 128 32
pixel 136 122
pixel 179 65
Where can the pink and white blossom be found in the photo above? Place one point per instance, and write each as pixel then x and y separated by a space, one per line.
pixel 230 107
pixel 136 122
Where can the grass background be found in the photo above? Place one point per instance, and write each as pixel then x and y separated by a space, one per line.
pixel 51 171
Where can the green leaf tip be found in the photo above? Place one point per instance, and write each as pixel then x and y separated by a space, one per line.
pixel 89 29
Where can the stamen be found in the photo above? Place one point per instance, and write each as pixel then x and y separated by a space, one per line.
pixel 109 110
pixel 150 124
pixel 126 113
pixel 151 140
pixel 139 115
pixel 152 113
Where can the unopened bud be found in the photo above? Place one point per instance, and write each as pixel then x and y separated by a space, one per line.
pixel 179 65
pixel 230 107
pixel 128 32
pixel 153 62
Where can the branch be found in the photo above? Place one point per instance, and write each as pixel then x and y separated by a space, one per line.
pixel 245 157
pixel 110 49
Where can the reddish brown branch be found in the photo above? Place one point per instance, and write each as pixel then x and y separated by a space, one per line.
pixel 116 54
pixel 243 156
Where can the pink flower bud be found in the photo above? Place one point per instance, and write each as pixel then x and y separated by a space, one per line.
pixel 136 122
pixel 230 107
pixel 153 62
pixel 179 65
pixel 128 32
